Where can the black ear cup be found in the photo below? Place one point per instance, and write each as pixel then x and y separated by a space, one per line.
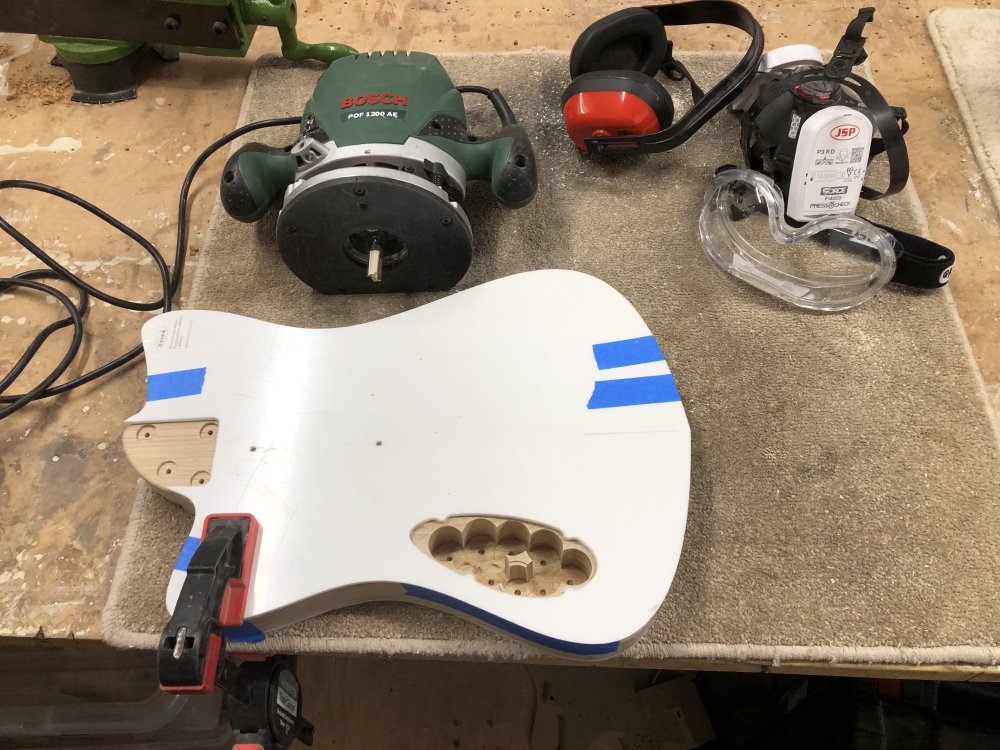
pixel 644 87
pixel 630 39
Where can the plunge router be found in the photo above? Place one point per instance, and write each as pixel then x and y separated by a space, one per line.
pixel 372 187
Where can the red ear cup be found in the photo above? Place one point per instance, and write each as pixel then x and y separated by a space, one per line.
pixel 615 102
pixel 630 39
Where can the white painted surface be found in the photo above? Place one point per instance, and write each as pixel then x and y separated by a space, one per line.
pixel 473 404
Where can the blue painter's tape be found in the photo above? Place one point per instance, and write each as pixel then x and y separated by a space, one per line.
pixel 245 633
pixel 583 649
pixel 627 352
pixel 187 552
pixel 175 384
pixel 654 389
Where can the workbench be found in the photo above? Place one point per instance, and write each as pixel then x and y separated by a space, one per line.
pixel 65 485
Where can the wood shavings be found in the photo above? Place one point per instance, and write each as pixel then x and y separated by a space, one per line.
pixel 42 90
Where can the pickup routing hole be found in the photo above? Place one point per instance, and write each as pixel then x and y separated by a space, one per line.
pixel 445 542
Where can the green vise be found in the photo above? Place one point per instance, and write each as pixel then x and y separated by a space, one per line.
pixel 99 41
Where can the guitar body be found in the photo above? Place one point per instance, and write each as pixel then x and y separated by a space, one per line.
pixel 516 454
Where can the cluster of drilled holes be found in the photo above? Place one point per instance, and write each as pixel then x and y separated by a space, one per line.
pixel 511 538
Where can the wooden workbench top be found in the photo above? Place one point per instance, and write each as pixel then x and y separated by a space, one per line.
pixel 66 488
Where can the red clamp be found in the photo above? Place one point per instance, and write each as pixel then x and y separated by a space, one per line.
pixel 214 597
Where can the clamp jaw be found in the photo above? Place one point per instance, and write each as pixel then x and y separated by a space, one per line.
pixel 264 696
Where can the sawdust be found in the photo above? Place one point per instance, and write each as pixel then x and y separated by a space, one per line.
pixel 6 50
pixel 42 90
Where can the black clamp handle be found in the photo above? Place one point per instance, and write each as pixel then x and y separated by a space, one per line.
pixel 265 706
pixel 213 596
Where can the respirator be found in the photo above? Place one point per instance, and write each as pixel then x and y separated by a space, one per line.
pixel 814 128
pixel 787 224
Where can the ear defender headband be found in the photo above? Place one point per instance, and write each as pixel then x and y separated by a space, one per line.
pixel 614 102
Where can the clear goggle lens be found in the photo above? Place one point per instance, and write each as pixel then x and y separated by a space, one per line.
pixel 828 264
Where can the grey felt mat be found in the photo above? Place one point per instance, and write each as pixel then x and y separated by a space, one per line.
pixel 845 499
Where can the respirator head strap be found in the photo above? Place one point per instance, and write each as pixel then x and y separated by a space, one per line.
pixel 851 47
pixel 890 130
pixel 763 128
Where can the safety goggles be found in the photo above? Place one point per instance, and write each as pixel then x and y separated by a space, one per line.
pixel 828 264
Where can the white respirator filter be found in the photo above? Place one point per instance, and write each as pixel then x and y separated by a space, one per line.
pixel 831 158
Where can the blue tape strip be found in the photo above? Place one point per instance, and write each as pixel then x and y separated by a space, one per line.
pixel 175 384
pixel 654 389
pixel 187 552
pixel 627 352
pixel 583 649
pixel 245 633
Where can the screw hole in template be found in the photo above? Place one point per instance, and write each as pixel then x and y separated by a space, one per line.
pixel 199 478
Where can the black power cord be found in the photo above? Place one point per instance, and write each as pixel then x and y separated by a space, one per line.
pixel 170 280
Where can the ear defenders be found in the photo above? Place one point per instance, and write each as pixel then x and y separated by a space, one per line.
pixel 614 101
